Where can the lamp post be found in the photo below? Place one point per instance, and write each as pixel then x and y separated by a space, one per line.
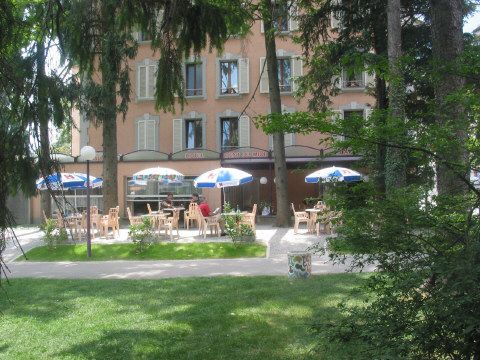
pixel 88 153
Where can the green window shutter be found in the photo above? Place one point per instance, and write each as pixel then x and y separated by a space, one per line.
pixel 150 135
pixel 297 71
pixel 264 77
pixel 152 77
pixel 177 135
pixel 141 140
pixel 292 18
pixel 244 131
pixel 142 82
pixel 244 74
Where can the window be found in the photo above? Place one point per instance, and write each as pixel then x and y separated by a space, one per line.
pixel 352 79
pixel 193 79
pixel 285 74
pixel 228 77
pixel 193 133
pixel 281 17
pixel 350 113
pixel 229 132
pixel 146 78
pixel 290 69
pixel 147 136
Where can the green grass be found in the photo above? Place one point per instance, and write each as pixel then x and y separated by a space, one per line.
pixel 159 251
pixel 191 318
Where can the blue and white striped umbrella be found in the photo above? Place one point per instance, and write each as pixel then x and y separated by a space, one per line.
pixel 65 181
pixel 222 177
pixel 332 174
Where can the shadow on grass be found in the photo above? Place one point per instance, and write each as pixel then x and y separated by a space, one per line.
pixel 228 318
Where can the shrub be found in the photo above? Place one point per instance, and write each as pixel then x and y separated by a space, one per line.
pixel 53 235
pixel 142 235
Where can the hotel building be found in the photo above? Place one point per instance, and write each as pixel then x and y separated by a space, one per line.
pixel 215 128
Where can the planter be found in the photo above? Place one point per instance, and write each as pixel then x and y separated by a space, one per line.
pixel 299 264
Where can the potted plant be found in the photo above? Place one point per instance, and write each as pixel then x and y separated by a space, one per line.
pixel 264 208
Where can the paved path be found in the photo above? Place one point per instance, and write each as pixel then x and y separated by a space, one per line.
pixel 279 242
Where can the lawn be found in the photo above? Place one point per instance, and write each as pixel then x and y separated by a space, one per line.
pixel 192 318
pixel 162 251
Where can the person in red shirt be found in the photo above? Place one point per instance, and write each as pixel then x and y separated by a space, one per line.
pixel 206 212
pixel 204 208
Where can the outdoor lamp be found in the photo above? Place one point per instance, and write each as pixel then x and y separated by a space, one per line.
pixel 263 180
pixel 88 153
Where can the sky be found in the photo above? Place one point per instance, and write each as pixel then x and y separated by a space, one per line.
pixel 472 22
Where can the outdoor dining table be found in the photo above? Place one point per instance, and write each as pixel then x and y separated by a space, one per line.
pixel 157 218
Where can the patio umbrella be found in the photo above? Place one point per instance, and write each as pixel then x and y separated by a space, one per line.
pixel 67 181
pixel 164 175
pixel 332 174
pixel 222 177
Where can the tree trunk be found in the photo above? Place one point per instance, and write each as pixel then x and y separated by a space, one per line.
pixel 395 161
pixel 109 120
pixel 447 45
pixel 43 122
pixel 380 48
pixel 281 184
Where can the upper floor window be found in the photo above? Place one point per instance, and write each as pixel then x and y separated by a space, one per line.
pixel 353 79
pixel 194 79
pixel 228 77
pixel 193 133
pixel 147 133
pixel 229 132
pixel 285 74
pixel 284 17
pixel 281 17
pixel 289 68
pixel 146 78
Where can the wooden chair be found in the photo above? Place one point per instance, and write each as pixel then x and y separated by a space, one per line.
pixel 110 221
pixel 134 220
pixel 300 217
pixel 190 215
pixel 209 222
pixel 171 223
pixel 249 218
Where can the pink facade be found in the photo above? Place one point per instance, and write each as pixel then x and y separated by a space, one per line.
pixel 166 133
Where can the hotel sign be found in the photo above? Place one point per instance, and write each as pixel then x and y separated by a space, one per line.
pixel 196 155
pixel 246 153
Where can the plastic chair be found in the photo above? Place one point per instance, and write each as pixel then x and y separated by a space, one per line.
pixel 190 215
pixel 300 217
pixel 134 220
pixel 171 223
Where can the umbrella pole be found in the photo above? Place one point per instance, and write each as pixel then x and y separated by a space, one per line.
pixel 223 197
pixel 75 199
